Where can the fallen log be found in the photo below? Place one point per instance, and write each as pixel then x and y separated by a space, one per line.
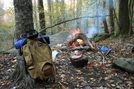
pixel 87 48
pixel 86 43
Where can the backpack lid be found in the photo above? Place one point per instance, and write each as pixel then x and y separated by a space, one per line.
pixel 31 34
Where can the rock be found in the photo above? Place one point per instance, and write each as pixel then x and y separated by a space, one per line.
pixel 12 51
pixel 126 64
pixel 59 38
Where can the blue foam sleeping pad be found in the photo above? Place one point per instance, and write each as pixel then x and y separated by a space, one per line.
pixel 20 42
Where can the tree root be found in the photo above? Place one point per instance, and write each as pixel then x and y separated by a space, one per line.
pixel 21 74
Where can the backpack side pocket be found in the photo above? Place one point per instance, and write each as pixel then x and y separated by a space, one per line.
pixel 27 55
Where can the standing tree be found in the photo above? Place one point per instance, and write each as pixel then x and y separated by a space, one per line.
pixel 41 16
pixel 23 16
pixel 36 23
pixel 78 12
pixel 123 17
pixel 104 17
pixel 131 8
pixel 63 12
pixel 58 14
pixel 49 3
pixel 111 18
pixel 24 22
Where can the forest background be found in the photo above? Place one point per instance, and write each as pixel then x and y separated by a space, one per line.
pixel 113 17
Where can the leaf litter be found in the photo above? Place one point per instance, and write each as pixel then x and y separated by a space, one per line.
pixel 96 75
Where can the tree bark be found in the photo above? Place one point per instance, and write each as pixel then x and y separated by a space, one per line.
pixel 104 17
pixel 131 5
pixel 123 17
pixel 23 17
pixel 63 12
pixel 58 15
pixel 36 23
pixel 24 22
pixel 49 3
pixel 111 18
pixel 78 13
pixel 41 16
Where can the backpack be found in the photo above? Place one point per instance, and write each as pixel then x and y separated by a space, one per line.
pixel 38 57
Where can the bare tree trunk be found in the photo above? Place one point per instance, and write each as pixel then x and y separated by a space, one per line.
pixel 104 17
pixel 123 17
pixel 24 22
pixel 79 9
pixel 97 21
pixel 73 5
pixel 58 15
pixel 131 5
pixel 111 18
pixel 63 12
pixel 41 16
pixel 49 3
pixel 23 16
pixel 35 15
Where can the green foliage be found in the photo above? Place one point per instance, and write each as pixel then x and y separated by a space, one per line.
pixel 9 11
pixel 101 37
pixel 5 25
pixel 116 37
pixel 6 38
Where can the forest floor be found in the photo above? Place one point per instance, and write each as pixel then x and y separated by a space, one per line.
pixel 96 75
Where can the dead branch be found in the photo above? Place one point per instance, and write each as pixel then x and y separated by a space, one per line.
pixel 70 20
pixel 90 44
pixel 81 48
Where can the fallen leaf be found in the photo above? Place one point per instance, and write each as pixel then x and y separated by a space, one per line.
pixel 89 73
pixel 14 61
pixel 62 86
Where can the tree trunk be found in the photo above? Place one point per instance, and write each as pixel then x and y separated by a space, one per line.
pixel 79 9
pixel 97 22
pixel 73 5
pixel 131 5
pixel 41 16
pixel 21 73
pixel 123 17
pixel 36 24
pixel 49 3
pixel 104 17
pixel 111 18
pixel 63 12
pixel 58 15
pixel 24 22
pixel 86 20
pixel 23 17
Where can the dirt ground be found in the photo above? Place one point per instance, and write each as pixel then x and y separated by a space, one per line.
pixel 95 75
